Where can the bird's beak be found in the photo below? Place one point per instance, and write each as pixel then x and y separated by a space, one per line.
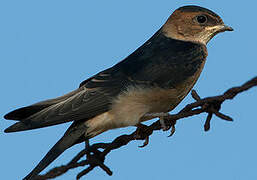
pixel 219 28
pixel 214 30
pixel 224 28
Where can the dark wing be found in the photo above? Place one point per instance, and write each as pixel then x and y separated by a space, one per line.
pixel 93 97
pixel 161 62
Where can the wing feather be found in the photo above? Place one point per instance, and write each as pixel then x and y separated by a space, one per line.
pixel 91 99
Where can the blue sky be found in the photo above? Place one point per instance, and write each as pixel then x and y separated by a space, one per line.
pixel 48 47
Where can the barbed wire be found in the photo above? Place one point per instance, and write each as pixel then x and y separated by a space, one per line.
pixel 96 153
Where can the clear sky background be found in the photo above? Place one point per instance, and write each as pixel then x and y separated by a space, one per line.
pixel 48 47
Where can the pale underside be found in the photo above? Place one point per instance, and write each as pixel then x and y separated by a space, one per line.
pixel 133 106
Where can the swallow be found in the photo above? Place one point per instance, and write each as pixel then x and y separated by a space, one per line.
pixel 153 79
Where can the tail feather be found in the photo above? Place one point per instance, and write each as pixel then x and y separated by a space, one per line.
pixel 70 107
pixel 19 126
pixel 72 136
pixel 25 112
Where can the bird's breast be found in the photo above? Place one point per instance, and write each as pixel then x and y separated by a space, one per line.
pixel 132 105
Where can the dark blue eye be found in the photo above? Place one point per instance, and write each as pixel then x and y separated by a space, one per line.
pixel 202 19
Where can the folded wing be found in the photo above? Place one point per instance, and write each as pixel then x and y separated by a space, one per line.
pixel 94 97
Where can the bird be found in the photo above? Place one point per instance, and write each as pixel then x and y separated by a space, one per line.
pixel 155 78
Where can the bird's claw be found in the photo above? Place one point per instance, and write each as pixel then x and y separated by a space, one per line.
pixel 163 125
pixel 145 143
pixel 173 129
pixel 166 128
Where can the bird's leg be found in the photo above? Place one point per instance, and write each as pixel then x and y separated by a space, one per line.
pixel 141 134
pixel 163 125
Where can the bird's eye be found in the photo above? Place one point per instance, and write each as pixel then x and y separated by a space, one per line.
pixel 202 19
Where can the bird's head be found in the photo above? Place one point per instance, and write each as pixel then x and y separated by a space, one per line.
pixel 195 24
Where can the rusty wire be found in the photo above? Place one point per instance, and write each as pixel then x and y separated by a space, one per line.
pixel 96 158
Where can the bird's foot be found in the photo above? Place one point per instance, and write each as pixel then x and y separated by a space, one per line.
pixel 163 124
pixel 140 134
pixel 173 129
pixel 166 127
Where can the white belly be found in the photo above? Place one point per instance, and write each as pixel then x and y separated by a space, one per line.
pixel 129 108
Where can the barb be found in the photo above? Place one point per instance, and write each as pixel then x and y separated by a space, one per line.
pixel 96 158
